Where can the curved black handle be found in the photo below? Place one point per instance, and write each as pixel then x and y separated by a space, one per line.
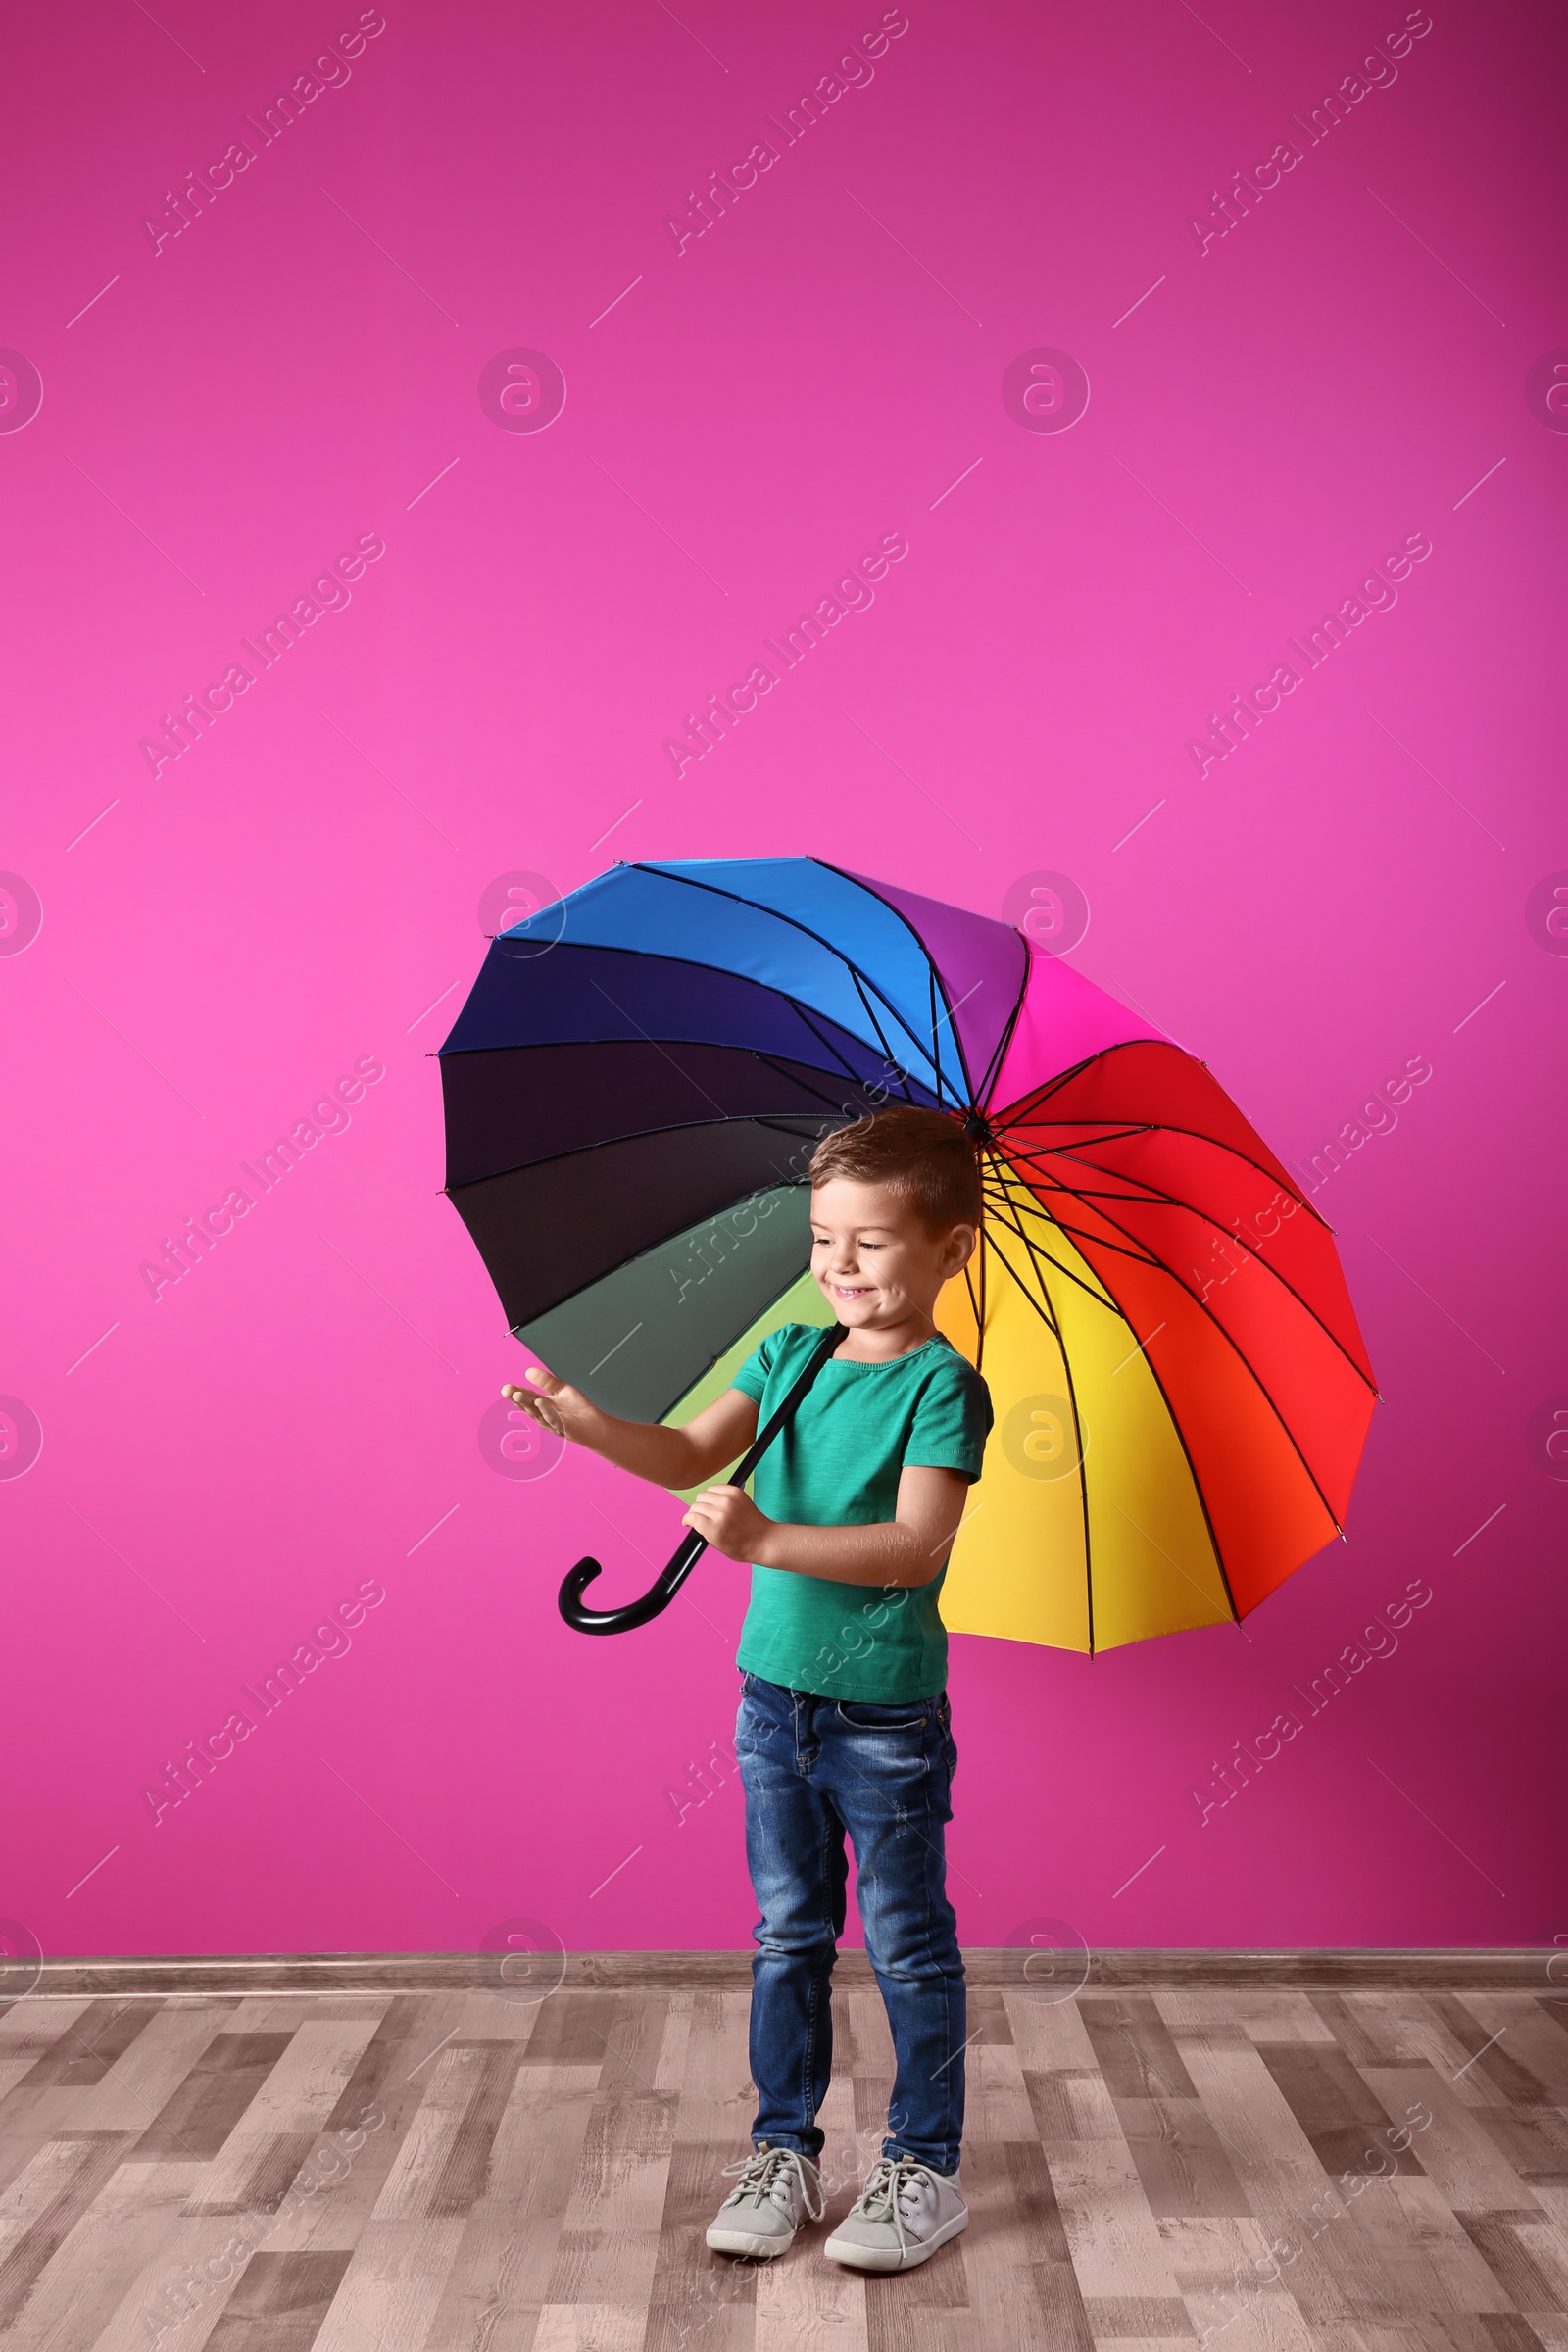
pixel 682 1560
pixel 690 1549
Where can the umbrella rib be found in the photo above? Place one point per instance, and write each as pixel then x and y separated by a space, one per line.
pixel 1176 1564
pixel 980 1323
pixel 1142 1253
pixel 1043 1092
pixel 675 1065
pixel 1103 1296
pixel 1117 1135
pixel 1250 1370
pixel 781 1061
pixel 930 964
pixel 828 1046
pixel 1145 1197
pixel 637 1135
pixel 1129 1248
pixel 870 1015
pixel 658 1048
pixel 1198 1483
pixel 830 947
pixel 773 1122
pixel 1181 1439
pixel 808 1015
pixel 1164 1127
pixel 1000 1053
pixel 1156 1199
pixel 1077 1420
pixel 769 1063
pixel 1042 1304
pixel 931 996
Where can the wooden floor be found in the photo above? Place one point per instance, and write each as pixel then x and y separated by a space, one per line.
pixel 537 2178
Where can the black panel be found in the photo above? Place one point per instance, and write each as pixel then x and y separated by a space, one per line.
pixel 545 1231
pixel 509 1107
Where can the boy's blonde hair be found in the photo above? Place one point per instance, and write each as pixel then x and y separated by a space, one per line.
pixel 923 1153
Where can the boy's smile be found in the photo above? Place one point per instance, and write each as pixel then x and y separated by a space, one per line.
pixel 879 1266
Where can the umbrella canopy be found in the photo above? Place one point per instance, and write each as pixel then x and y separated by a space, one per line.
pixel 633 1091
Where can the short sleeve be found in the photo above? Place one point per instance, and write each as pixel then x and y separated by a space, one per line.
pixel 952 1422
pixel 752 1378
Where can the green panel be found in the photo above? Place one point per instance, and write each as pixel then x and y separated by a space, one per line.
pixel 637 1339
pixel 801 1302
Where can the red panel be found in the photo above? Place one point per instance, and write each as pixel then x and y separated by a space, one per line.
pixel 1248 1215
pixel 1150 1085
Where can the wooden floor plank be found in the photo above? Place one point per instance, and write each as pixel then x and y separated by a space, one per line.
pixel 391 2287
pixel 140 2083
pixel 40 2281
pixel 1113 2237
pixel 431 2135
pixel 281 2303
pixel 1457 2151
pixel 698 2301
pixel 804 2304
pixel 276 2132
pixel 1488 2052
pixel 1181 2160
pixel 997 2108
pixel 1411 2031
pixel 80 2059
pixel 1338 2112
pixel 1529 2034
pixel 32 2026
pixel 204 2108
pixel 1133 2047
pixel 497 2286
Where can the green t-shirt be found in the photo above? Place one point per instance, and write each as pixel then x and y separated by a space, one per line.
pixel 837 1464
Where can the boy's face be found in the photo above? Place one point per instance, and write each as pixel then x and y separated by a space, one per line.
pixel 873 1255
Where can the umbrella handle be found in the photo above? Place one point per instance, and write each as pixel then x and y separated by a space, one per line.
pixel 684 1558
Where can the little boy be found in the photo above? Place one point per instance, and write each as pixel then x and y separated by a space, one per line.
pixel 844 1720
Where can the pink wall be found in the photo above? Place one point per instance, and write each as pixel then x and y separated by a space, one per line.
pixel 1273 408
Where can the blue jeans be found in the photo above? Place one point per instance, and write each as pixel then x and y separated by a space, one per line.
pixel 814 1768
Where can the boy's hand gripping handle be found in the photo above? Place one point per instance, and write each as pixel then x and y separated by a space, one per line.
pixel 692 1546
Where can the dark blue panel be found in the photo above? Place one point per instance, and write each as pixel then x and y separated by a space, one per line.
pixel 580 993
pixel 789 923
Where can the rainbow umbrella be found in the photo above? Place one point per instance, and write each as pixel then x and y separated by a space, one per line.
pixel 633 1090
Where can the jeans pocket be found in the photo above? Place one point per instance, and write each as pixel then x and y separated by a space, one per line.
pixel 860 1715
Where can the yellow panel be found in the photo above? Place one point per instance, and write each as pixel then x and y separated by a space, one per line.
pixel 1017 1568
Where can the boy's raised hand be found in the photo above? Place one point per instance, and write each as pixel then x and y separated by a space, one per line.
pixel 552 1402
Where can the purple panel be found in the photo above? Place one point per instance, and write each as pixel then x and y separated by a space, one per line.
pixel 981 963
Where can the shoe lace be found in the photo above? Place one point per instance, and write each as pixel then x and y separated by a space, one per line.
pixel 759 2175
pixel 889 2179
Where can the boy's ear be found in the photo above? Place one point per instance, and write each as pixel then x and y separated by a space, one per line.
pixel 962 1243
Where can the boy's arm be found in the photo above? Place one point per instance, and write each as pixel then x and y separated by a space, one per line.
pixel 908 1550
pixel 670 1458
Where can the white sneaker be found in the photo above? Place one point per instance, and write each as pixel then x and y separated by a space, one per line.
pixel 901 2217
pixel 779 2189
